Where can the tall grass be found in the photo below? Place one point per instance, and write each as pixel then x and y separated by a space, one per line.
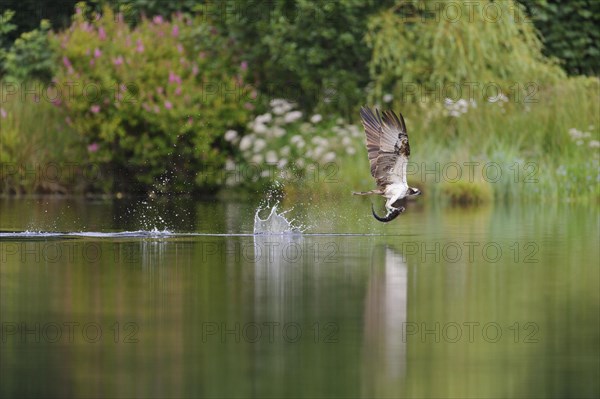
pixel 39 153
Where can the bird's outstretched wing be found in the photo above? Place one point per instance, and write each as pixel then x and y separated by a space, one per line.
pixel 387 146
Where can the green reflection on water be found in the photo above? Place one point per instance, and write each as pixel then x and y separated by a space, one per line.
pixel 478 302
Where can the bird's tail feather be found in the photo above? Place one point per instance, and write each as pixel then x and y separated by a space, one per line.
pixel 366 192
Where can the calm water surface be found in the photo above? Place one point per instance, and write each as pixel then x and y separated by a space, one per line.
pixel 498 301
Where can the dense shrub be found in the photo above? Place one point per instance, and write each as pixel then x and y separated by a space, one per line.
pixel 6 27
pixel 151 101
pixel 134 10
pixel 31 57
pixel 570 32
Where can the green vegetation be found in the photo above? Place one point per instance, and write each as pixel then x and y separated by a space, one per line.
pixel 242 96
pixel 39 152
pixel 30 57
pixel 6 27
pixel 312 53
pixel 153 110
pixel 570 32
pixel 495 54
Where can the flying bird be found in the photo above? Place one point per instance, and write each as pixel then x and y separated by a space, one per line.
pixel 388 151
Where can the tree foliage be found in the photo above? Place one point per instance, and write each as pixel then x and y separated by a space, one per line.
pixel 570 32
pixel 310 52
pixel 415 44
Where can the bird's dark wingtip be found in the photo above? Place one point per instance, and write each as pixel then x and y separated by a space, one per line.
pixel 366 112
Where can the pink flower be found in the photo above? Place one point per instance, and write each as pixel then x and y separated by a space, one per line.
pixel 160 90
pixel 118 60
pixel 195 70
pixel 202 54
pixel 249 106
pixel 174 78
pixel 92 62
pixel 95 109
pixel 101 33
pixel 178 91
pixel 158 19
pixel 97 52
pixel 140 46
pixel 168 105
pixel 244 65
pixel 180 48
pixel 3 113
pixel 66 62
pixel 175 31
pixel 93 147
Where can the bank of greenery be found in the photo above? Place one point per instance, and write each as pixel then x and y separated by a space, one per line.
pixel 243 101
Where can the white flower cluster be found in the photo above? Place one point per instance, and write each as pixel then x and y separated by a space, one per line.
pixel 456 108
pixel 500 98
pixel 579 137
pixel 459 107
pixel 280 138
pixel 280 106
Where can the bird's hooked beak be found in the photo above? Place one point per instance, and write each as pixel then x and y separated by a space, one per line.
pixel 389 217
pixel 414 191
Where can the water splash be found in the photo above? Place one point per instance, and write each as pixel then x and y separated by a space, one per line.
pixel 275 223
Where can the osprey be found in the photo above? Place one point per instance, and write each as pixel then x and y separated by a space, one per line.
pixel 388 151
